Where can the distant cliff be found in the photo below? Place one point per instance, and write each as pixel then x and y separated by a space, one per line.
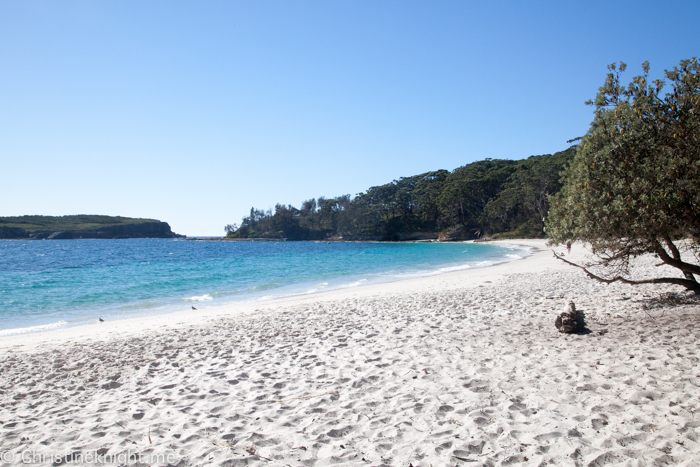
pixel 74 227
pixel 13 232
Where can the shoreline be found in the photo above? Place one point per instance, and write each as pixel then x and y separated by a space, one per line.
pixel 60 327
pixel 459 368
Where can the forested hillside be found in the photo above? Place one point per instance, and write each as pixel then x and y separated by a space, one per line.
pixel 491 197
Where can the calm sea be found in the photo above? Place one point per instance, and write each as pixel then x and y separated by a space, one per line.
pixel 52 284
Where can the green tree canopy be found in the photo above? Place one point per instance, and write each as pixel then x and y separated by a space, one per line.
pixel 522 205
pixel 632 187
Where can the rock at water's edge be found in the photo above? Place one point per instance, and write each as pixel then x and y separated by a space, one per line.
pixel 12 232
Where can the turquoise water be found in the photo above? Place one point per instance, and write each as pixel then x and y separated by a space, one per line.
pixel 53 284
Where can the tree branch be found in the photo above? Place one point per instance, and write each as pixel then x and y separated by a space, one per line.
pixel 623 254
pixel 671 246
pixel 688 284
pixel 676 263
pixel 677 256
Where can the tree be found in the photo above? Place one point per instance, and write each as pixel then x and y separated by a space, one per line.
pixel 524 201
pixel 468 189
pixel 632 187
pixel 426 196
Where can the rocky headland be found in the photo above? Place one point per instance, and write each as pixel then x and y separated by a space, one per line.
pixel 138 229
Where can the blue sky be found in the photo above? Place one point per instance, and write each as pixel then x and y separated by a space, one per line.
pixel 192 112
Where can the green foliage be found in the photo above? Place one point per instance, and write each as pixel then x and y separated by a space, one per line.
pixel 522 205
pixel 469 189
pixel 81 221
pixel 633 185
pixel 481 198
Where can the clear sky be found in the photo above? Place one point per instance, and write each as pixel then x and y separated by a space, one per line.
pixel 192 112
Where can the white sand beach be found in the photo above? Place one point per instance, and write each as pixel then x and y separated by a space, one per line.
pixel 462 368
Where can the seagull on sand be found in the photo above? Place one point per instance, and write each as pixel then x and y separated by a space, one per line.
pixel 193 307
pixel 101 320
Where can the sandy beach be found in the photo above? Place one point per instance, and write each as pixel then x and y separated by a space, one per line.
pixel 462 368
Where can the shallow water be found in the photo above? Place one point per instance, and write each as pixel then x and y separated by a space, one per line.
pixel 51 284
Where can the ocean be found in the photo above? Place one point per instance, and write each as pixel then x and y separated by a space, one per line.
pixel 52 284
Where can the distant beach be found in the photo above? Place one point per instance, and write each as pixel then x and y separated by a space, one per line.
pixel 461 368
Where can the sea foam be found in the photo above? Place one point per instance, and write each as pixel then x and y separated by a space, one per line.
pixel 201 298
pixel 43 327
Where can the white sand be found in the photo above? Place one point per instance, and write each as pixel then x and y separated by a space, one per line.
pixel 465 368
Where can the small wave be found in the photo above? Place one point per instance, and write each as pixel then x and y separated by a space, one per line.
pixel 357 283
pixel 43 327
pixel 455 268
pixel 311 291
pixel 200 298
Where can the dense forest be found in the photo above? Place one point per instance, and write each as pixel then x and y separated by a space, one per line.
pixel 493 197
